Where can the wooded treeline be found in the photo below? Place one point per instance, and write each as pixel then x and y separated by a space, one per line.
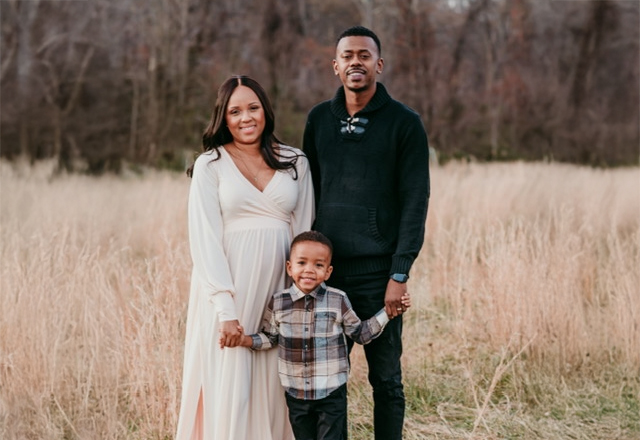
pixel 100 83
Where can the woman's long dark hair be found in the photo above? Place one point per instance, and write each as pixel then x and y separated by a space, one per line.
pixel 217 133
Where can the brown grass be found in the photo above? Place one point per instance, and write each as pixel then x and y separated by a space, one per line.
pixel 525 319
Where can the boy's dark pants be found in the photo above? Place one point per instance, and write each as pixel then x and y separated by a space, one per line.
pixel 366 293
pixel 321 419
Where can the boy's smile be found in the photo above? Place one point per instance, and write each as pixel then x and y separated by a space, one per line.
pixel 309 265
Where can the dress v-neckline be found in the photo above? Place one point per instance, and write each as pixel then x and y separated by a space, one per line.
pixel 244 178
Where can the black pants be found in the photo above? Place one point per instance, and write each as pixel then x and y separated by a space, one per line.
pixel 366 293
pixel 319 419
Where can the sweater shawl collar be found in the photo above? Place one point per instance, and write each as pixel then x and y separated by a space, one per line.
pixel 353 128
pixel 339 105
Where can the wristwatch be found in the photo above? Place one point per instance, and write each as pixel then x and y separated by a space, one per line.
pixel 399 277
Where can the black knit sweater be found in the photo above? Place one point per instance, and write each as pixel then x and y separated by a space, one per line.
pixel 371 180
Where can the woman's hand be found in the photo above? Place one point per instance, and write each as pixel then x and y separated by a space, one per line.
pixel 230 333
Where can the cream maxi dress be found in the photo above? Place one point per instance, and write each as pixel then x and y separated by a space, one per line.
pixel 239 238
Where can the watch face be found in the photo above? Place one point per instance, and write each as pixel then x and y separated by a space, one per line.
pixel 400 277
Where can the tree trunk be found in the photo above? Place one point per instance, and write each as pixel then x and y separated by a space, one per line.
pixel 27 13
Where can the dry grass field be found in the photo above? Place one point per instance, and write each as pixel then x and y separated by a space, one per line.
pixel 525 321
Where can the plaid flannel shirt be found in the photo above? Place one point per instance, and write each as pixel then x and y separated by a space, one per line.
pixel 309 330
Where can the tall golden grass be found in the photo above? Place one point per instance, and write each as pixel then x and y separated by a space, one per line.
pixel 525 320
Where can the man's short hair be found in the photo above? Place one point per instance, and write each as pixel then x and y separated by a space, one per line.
pixel 361 31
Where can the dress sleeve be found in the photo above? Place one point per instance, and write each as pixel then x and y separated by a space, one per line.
pixel 304 212
pixel 309 148
pixel 211 268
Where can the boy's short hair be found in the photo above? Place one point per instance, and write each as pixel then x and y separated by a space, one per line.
pixel 361 31
pixel 314 236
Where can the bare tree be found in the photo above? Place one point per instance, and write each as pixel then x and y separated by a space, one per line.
pixel 64 57
pixel 25 14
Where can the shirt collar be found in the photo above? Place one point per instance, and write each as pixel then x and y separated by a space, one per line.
pixel 297 294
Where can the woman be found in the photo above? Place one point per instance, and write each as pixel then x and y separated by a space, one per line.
pixel 249 196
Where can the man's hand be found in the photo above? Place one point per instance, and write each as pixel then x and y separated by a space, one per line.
pixel 393 299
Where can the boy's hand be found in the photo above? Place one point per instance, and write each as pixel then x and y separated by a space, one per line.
pixel 406 301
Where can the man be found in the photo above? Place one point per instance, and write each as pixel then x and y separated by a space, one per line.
pixel 369 159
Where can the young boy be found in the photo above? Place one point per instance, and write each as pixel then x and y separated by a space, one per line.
pixel 308 322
